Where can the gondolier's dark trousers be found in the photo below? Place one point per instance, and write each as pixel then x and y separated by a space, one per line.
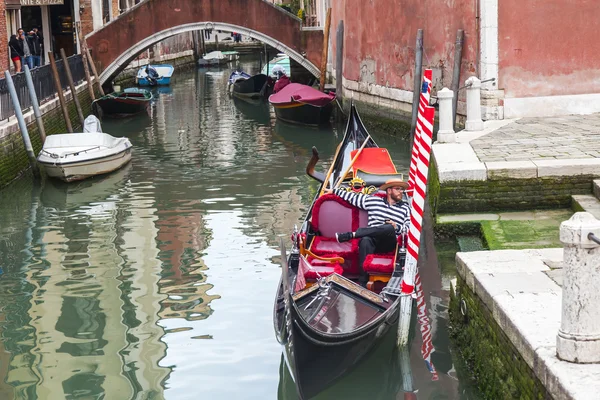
pixel 377 239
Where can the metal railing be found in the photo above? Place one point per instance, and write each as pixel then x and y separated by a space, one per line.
pixel 43 83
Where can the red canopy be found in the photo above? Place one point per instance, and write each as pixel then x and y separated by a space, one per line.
pixel 295 92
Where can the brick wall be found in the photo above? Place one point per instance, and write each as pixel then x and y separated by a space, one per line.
pixel 13 157
pixel 87 24
pixel 115 8
pixel 4 39
pixel 499 369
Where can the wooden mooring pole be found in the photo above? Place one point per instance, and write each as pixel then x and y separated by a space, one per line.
pixel 61 96
pixel 325 50
pixel 416 84
pixel 72 85
pixel 339 65
pixel 86 67
pixel 456 73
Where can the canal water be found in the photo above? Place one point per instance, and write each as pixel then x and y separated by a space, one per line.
pixel 157 281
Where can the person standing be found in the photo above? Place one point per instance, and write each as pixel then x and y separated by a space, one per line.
pixel 26 46
pixel 389 217
pixel 16 52
pixel 36 40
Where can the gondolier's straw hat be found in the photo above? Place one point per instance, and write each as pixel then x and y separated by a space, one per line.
pixel 393 183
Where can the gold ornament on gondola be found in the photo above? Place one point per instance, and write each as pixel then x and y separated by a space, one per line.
pixel 358 185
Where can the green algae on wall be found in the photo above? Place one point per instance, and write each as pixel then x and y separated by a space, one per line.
pixel 504 194
pixel 496 366
pixel 13 156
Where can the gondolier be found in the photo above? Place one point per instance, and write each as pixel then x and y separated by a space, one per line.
pixel 389 217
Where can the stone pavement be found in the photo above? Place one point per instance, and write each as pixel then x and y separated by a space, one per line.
pixel 523 148
pixel 573 136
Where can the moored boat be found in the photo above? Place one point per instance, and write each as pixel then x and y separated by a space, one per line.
pixel 76 156
pixel 324 318
pixel 152 75
pixel 128 102
pixel 253 87
pixel 302 104
pixel 218 58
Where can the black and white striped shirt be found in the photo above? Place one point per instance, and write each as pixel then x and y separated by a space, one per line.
pixel 379 209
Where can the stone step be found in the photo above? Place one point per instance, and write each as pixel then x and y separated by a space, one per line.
pixel 586 202
pixel 596 184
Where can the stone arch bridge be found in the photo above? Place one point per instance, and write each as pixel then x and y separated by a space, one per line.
pixel 120 41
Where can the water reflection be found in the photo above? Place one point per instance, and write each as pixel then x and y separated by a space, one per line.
pixel 157 281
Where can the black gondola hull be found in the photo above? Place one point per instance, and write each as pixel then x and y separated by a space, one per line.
pixel 304 114
pixel 253 87
pixel 319 361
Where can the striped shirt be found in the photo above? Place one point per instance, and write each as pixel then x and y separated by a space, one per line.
pixel 379 209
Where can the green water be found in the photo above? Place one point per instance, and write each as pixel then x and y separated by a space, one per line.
pixel 157 281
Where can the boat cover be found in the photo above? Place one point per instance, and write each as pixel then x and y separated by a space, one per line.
pixel 214 55
pixel 91 124
pixel 296 92
pixel 235 75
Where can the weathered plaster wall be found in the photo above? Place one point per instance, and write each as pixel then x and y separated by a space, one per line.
pixel 548 47
pixel 380 39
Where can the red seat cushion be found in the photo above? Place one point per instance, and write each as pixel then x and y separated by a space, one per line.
pixel 379 263
pixel 322 271
pixel 323 246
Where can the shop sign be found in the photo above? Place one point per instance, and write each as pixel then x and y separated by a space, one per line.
pixel 42 2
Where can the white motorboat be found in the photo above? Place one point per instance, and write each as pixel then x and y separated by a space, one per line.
pixel 76 156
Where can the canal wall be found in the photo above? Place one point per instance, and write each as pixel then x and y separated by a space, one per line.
pixel 449 194
pixel 508 312
pixel 13 156
pixel 500 370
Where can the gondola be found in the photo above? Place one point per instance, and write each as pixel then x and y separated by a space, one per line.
pixel 253 87
pixel 128 102
pixel 326 321
pixel 302 104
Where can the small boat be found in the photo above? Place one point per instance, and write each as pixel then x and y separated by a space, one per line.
pixel 76 156
pixel 326 321
pixel 246 86
pixel 280 59
pixel 122 103
pixel 302 104
pixel 153 75
pixel 218 58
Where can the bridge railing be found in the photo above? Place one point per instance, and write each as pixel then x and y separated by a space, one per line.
pixel 43 83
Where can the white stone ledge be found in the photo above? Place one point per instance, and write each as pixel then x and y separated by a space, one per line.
pixel 511 169
pixel 568 167
pixel 458 162
pixel 548 106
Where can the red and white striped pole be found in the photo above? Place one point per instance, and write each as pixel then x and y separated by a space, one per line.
pixel 425 118
pixel 423 102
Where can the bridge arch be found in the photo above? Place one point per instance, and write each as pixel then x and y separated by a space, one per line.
pixel 120 41
pixel 115 67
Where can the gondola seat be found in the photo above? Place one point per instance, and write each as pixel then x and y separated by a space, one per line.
pixel 321 269
pixel 331 215
pixel 379 267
